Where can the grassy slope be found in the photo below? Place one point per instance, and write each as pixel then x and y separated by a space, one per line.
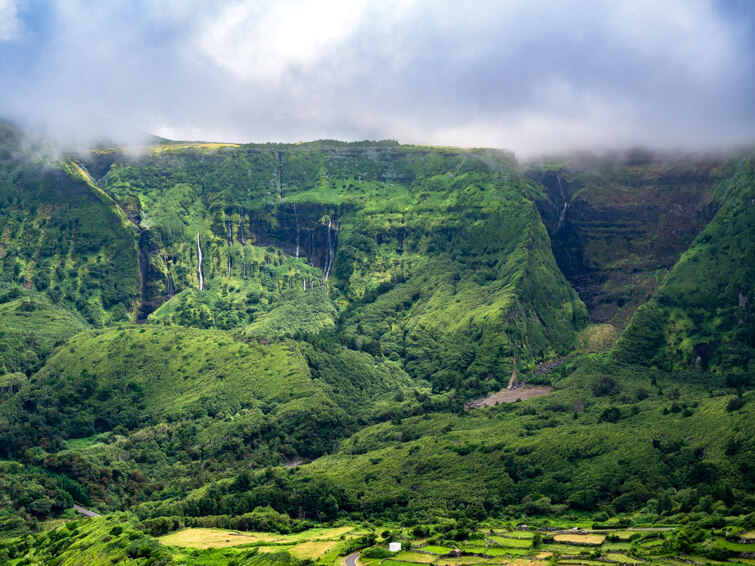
pixel 61 235
pixel 182 406
pixel 443 273
pixel 32 327
pixel 118 539
pixel 703 314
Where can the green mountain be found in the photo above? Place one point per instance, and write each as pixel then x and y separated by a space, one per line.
pixel 222 335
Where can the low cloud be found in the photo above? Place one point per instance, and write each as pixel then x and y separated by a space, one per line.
pixel 531 76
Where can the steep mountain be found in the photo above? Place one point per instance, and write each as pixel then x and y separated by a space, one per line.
pixel 423 250
pixel 703 315
pixel 618 224
pixel 62 235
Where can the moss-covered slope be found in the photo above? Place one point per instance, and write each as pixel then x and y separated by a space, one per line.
pixel 62 235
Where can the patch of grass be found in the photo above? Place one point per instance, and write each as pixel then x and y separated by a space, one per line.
pixel 435 549
pixel 623 558
pixel 207 538
pixel 588 540
pixel 518 542
pixel 312 549
pixel 409 556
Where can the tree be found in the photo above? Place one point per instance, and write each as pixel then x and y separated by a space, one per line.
pixel 537 540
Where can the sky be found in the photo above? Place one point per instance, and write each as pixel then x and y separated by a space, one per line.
pixel 531 76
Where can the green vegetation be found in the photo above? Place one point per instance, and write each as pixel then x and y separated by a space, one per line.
pixel 62 235
pixel 492 461
pixel 32 327
pixel 354 298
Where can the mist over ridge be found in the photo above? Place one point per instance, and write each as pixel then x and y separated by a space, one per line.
pixel 532 77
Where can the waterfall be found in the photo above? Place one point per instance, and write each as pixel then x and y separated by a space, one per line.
pixel 243 241
pixel 566 203
pixel 332 242
pixel 229 232
pixel 296 217
pixel 199 265
pixel 280 172
pixel 169 287
pixel 304 282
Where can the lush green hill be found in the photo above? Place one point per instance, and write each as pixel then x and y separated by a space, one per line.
pixel 32 327
pixel 161 409
pixel 441 245
pixel 610 437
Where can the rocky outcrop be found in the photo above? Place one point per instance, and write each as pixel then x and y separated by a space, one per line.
pixel 307 231
pixel 617 227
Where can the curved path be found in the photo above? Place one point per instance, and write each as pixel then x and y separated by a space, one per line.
pixel 351 559
pixel 86 512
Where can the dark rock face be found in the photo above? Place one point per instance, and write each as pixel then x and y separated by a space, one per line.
pixel 304 231
pixel 152 279
pixel 617 229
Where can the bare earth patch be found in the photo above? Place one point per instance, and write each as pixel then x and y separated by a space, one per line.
pixel 510 395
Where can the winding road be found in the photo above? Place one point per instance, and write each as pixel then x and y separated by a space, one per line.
pixel 351 559
pixel 88 513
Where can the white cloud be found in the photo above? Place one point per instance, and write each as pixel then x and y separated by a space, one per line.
pixel 10 24
pixel 266 40
pixel 519 74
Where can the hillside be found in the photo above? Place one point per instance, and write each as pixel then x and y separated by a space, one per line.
pixel 702 316
pixel 226 335
pixel 422 249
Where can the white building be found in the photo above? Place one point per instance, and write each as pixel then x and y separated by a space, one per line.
pixel 394 546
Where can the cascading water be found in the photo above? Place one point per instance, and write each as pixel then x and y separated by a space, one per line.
pixel 332 242
pixel 280 173
pixel 243 243
pixel 296 217
pixel 199 265
pixel 565 206
pixel 169 287
pixel 229 232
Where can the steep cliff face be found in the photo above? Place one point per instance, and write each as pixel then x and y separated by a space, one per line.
pixel 618 226
pixel 425 250
pixel 703 316
pixel 307 231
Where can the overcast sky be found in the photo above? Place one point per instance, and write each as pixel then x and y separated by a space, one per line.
pixel 527 75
